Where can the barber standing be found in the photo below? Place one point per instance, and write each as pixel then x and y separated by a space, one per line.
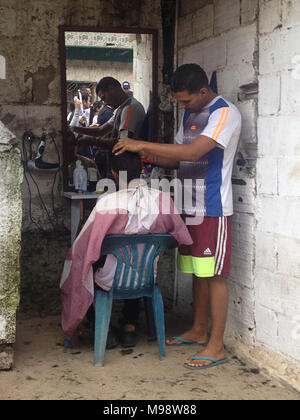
pixel 204 152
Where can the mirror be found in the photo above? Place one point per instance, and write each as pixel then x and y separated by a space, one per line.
pixel 89 54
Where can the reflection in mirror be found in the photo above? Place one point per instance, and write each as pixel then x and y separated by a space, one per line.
pixel 126 57
pixel 88 57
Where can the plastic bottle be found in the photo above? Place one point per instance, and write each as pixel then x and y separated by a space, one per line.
pixel 80 178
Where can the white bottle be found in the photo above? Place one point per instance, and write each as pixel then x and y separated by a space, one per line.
pixel 80 178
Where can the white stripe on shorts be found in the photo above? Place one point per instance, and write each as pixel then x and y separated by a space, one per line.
pixel 221 245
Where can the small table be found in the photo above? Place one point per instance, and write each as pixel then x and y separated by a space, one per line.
pixel 77 208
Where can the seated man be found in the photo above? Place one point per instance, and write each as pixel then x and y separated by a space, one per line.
pixel 126 121
pixel 133 209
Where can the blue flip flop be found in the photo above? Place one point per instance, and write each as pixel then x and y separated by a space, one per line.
pixel 214 363
pixel 184 342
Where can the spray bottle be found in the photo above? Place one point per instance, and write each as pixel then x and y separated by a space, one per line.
pixel 80 178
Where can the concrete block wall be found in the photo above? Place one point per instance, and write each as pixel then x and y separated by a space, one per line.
pixel 222 35
pixel 254 46
pixel 30 94
pixel 277 269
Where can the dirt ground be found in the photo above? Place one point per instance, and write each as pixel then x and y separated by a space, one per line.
pixel 44 371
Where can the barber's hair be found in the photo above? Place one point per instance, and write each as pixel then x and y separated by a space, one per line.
pixel 97 105
pixel 85 97
pixel 189 77
pixel 106 82
pixel 127 162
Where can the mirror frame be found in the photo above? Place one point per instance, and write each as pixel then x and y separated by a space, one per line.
pixel 66 152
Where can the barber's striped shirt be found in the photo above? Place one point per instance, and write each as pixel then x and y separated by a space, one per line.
pixel 220 120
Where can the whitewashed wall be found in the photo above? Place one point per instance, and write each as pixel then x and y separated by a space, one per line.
pixel 222 36
pixel 250 42
pixel 277 268
pixel 142 69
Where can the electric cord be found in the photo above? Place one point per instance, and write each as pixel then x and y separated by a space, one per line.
pixel 26 170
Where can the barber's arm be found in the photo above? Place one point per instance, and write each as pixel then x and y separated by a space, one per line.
pixel 168 153
pixel 93 132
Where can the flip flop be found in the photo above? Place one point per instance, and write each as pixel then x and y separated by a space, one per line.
pixel 214 363
pixel 184 343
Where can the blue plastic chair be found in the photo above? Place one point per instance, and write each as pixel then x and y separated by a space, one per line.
pixel 128 285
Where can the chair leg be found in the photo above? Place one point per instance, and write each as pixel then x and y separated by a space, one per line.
pixel 150 318
pixel 159 320
pixel 103 306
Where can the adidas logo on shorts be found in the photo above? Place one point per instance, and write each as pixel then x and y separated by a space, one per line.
pixel 207 252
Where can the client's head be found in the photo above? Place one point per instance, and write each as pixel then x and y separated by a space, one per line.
pixel 127 162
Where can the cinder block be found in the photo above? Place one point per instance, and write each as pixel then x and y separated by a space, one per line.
pixel 269 94
pixel 289 260
pixel 289 177
pixel 214 54
pixel 210 54
pixel 249 11
pixel 193 54
pixel 269 15
pixel 191 6
pixel 241 45
pixel 290 12
pixel 242 75
pixel 289 335
pixel 203 23
pixel 278 49
pixel 227 15
pixel 266 327
pixel 278 215
pixel 277 292
pixel 185 26
pixel 267 175
pixel 265 253
pixel 268 289
pixel 279 136
pixel 270 60
pixel 290 87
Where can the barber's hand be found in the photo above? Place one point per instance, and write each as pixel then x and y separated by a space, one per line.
pixel 83 119
pixel 129 145
pixel 77 103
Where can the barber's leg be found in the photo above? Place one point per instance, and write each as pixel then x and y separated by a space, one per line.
pixel 218 298
pixel 199 331
pixel 129 322
pixel 130 314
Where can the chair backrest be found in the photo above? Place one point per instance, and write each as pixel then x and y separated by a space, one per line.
pixel 135 255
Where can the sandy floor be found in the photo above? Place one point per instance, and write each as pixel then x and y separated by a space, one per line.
pixel 44 371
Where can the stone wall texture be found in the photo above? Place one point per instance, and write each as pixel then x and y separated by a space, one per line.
pixel 277 257
pixel 10 238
